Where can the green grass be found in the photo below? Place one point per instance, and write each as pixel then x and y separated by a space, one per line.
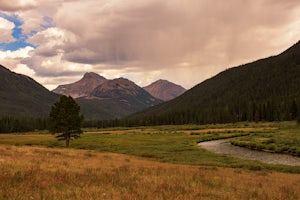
pixel 174 144
pixel 286 139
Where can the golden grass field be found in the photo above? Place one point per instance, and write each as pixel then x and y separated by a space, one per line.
pixel 52 173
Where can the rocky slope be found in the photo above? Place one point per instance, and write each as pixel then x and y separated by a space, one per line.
pixel 81 88
pixel 116 98
pixel 164 90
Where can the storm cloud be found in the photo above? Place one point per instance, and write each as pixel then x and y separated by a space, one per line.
pixel 182 41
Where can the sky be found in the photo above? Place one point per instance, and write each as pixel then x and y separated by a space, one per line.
pixel 184 41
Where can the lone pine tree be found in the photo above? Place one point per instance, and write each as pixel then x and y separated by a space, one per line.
pixel 65 119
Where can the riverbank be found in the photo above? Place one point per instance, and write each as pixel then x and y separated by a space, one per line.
pixel 225 147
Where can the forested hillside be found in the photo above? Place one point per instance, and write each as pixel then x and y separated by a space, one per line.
pixel 267 89
pixel 24 103
pixel 21 96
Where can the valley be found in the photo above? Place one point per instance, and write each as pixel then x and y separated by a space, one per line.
pixel 175 144
pixel 158 100
pixel 142 162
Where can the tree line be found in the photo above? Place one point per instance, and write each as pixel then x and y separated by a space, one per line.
pixel 10 124
pixel 270 110
pixel 229 113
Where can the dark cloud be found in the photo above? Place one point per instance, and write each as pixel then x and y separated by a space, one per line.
pixel 163 39
pixel 171 31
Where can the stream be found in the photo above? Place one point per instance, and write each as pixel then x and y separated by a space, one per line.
pixel 225 147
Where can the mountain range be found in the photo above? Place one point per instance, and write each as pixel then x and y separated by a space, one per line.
pixel 114 99
pixel 267 89
pixel 99 98
pixel 160 89
pixel 81 88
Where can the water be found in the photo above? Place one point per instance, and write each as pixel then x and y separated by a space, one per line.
pixel 224 147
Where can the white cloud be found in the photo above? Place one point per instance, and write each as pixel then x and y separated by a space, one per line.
pixel 6 30
pixel 23 69
pixel 12 60
pixel 17 54
pixel 46 59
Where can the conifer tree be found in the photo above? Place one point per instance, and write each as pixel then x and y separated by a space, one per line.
pixel 65 119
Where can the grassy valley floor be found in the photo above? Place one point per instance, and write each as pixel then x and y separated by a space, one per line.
pixel 44 173
pixel 162 162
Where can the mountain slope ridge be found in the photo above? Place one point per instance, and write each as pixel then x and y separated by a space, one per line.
pixel 267 87
pixel 22 96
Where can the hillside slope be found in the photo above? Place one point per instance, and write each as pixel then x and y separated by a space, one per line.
pixel 267 89
pixel 164 90
pixel 21 96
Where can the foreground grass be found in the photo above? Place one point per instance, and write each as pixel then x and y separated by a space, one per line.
pixel 51 173
pixel 173 144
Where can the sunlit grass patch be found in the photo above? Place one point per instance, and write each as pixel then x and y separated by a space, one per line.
pixel 43 173
pixel 163 143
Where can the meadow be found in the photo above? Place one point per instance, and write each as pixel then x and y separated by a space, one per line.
pixel 172 144
pixel 285 140
pixel 162 162
pixel 52 173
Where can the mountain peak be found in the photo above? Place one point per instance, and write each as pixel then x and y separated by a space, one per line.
pixel 116 86
pixel 83 87
pixel 89 75
pixel 161 81
pixel 164 89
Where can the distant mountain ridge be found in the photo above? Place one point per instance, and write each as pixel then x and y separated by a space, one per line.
pixel 267 89
pixel 81 88
pixel 116 98
pixel 101 98
pixel 164 90
pixel 21 96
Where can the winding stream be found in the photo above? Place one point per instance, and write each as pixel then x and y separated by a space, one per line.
pixel 225 147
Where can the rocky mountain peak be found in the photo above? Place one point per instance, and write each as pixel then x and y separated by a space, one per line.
pixel 117 87
pixel 164 90
pixel 92 75
pixel 83 87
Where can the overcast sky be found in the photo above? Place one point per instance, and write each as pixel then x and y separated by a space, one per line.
pixel 184 41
